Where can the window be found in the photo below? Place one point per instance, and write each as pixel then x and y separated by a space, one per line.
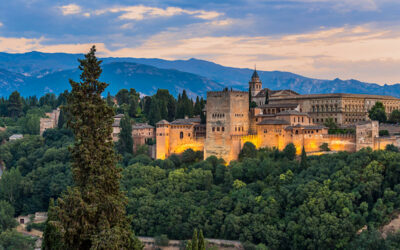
pixel 189 134
pixel 223 129
pixel 297 132
pixel 181 135
pixel 217 128
pixel 213 129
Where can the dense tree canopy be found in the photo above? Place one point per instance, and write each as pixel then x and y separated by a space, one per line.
pixel 377 112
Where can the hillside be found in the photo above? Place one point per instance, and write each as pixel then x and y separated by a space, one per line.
pixel 145 79
pixel 50 72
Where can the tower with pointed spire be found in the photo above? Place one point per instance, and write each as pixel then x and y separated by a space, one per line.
pixel 255 85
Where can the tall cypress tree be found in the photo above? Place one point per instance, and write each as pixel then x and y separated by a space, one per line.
pixel 14 104
pixel 202 244
pixel 91 214
pixel 266 96
pixel 195 243
pixel 303 159
pixel 125 142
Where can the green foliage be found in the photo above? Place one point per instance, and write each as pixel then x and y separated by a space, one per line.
pixel 13 240
pixel 7 220
pixel 391 147
pixel 61 119
pixel 195 242
pixel 330 123
pixel 14 105
pixel 52 237
pixel 394 117
pixel 324 147
pixel 184 106
pixel 91 214
pixel 202 243
pixel 253 104
pixel 377 112
pixel 125 142
pixel 248 151
pixel 161 240
pixel 303 159
pixel 290 151
pixel 383 132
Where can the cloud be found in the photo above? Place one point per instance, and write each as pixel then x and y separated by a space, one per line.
pixel 71 9
pixel 365 52
pixel 140 12
pixel 327 53
pixel 22 45
pixel 346 5
pixel 1 24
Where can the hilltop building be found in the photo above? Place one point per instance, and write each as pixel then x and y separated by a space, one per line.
pixel 50 121
pixel 344 109
pixel 279 118
pixel 116 127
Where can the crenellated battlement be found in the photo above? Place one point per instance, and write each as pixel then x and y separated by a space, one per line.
pixel 225 93
pixel 339 136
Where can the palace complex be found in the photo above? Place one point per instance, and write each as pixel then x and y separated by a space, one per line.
pixel 279 118
pixel 274 118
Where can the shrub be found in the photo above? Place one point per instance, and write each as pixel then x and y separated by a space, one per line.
pixel 383 133
pixel 324 147
pixel 161 240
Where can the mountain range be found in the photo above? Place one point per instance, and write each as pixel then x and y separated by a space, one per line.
pixel 37 73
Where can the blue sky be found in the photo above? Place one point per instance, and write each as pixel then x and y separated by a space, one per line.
pixel 318 38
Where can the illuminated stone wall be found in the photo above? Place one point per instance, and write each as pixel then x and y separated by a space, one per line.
pixel 175 139
pixel 227 120
pixel 162 138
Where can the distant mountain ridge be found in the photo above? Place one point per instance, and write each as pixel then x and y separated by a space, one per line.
pixel 36 73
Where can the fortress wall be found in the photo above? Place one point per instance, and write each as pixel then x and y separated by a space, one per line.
pixel 51 121
pixel 178 145
pixel 335 143
pixel 162 139
pixel 382 142
pixel 311 142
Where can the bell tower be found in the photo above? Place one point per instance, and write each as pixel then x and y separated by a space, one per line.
pixel 255 85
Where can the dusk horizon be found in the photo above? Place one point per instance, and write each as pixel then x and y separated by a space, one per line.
pixel 321 39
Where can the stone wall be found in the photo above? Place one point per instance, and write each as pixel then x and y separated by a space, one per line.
pixel 50 121
pixel 227 116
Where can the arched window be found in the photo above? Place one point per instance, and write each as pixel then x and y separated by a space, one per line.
pixel 181 135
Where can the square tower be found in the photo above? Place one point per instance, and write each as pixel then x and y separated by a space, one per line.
pixel 227 121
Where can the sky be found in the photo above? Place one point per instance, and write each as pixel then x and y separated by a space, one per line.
pixel 325 39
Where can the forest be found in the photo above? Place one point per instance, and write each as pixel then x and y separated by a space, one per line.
pixel 268 199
